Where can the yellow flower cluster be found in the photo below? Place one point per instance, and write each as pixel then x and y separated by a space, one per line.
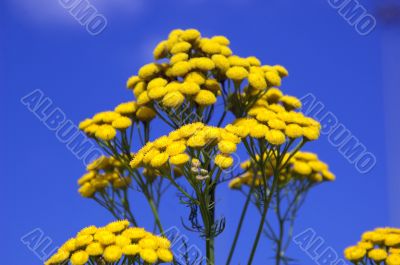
pixel 173 149
pixel 104 125
pixel 380 246
pixel 301 166
pixel 112 243
pixel 193 68
pixel 274 118
pixel 102 173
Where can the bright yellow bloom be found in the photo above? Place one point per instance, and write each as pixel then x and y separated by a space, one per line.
pixel 79 258
pixel 227 147
pixel 393 259
pixel 179 159
pixel 148 70
pixel 377 254
pixel 165 255
pixel 257 81
pixel 112 253
pixel 354 253
pixel 275 137
pixel 131 250
pixel 122 123
pixel 189 88
pixel 205 98
pixel 273 78
pixel 148 255
pixel 173 99
pixel 223 161
pixel 237 73
pixel 94 249
pixel 159 160
pixel 145 113
pixel 126 108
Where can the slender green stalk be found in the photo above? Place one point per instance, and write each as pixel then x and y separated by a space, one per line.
pixel 239 227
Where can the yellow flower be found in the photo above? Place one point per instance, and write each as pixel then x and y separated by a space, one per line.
pixel 377 254
pixel 117 226
pixel 293 131
pixel 148 243
pixel 173 99
pixel 175 148
pixel 238 61
pixel 257 81
pixel 221 40
pixel 281 70
pixel 132 81
pixel 275 137
pixel 226 51
pixel 145 113
pixel 159 160
pixel 94 249
pixel 302 168
pixel 105 237
pixel 157 93
pixel 180 68
pixel 163 242
pixel 134 233
pixel 311 133
pixel 85 123
pixel 393 259
pixel 221 62
pixel 195 77
pixel 254 61
pixel 202 63
pixel 273 78
pixel 205 98
pixel 392 240
pixel 179 57
pixel 131 250
pixel 180 47
pixel 149 255
pixel 354 253
pixel 87 190
pixel 291 102
pixel 190 35
pixel 160 51
pixel 139 88
pixel 223 161
pixel 276 124
pixel 165 255
pixel 143 98
pixel 179 159
pixel 227 147
pixel 237 73
pixel 235 183
pixel 112 253
pixel 58 257
pixel 83 240
pixel 79 258
pixel 189 88
pixel 126 108
pixel 148 70
pixel 122 123
pixel 211 47
pixel 258 131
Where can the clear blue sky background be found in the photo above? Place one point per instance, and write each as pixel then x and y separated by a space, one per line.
pixel 43 47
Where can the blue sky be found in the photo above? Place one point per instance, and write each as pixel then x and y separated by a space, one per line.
pixel 43 47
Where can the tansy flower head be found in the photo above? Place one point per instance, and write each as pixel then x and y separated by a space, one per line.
pixel 113 243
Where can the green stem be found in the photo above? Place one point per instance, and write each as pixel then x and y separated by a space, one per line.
pixel 239 227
